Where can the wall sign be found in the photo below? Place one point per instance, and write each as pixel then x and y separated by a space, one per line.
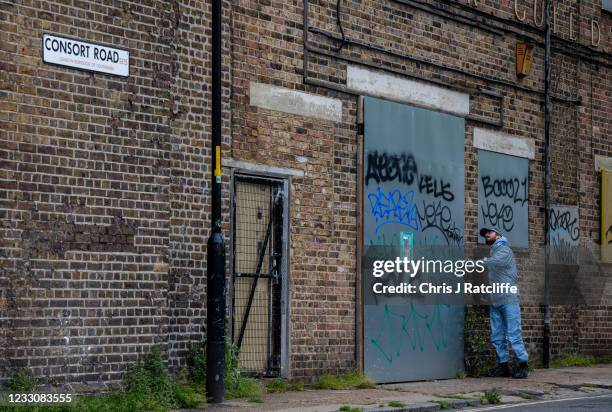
pixel 535 12
pixel 85 56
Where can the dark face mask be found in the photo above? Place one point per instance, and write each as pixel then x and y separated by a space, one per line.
pixel 490 242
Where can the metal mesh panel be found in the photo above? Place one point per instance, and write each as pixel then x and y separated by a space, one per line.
pixel 255 319
pixel 253 204
pixel 255 346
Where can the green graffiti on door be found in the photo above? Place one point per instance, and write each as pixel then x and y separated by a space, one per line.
pixel 414 328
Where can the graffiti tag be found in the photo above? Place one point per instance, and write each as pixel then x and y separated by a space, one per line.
pixel 564 221
pixel 384 167
pixel 394 207
pixel 499 215
pixel 411 330
pixel 512 188
pixel 438 216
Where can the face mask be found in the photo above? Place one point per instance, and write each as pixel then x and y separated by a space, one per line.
pixel 490 242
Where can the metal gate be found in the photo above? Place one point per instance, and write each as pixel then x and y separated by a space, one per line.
pixel 258 245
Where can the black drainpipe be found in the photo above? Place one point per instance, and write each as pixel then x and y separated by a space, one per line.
pixel 547 184
pixel 215 268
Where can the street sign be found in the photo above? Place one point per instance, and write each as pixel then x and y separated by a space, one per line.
pixel 85 56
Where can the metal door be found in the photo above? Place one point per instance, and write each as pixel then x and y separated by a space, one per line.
pixel 413 206
pixel 258 245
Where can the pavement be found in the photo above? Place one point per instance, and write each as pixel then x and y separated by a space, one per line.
pixel 574 388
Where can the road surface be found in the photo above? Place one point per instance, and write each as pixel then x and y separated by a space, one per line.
pixel 595 403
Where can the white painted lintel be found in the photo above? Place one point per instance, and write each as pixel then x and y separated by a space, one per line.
pixel 259 168
pixel 400 89
pixel 603 163
pixel 495 141
pixel 296 102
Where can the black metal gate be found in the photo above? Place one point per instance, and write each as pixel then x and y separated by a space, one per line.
pixel 257 278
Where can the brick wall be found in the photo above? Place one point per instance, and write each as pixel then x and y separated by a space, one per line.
pixel 104 181
pixel 277 58
pixel 104 188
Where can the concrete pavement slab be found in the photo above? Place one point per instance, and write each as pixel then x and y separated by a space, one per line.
pixel 541 384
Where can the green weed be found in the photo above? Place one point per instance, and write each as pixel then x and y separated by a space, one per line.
pixel 397 404
pixel 348 408
pixel 22 381
pixel 348 380
pixel 491 396
pixel 572 360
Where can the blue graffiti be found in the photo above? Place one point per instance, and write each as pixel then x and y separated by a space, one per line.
pixel 394 207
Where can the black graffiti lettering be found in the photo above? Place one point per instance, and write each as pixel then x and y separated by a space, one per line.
pixel 563 221
pixel 512 188
pixel 435 214
pixel 438 216
pixel 384 167
pixel 430 185
pixel 496 214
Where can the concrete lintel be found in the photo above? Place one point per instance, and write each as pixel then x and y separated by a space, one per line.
pixel 500 142
pixel 387 86
pixel 291 101
pixel 603 163
pixel 259 168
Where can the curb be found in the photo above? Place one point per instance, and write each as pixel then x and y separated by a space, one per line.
pixel 427 406
pixel 410 407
